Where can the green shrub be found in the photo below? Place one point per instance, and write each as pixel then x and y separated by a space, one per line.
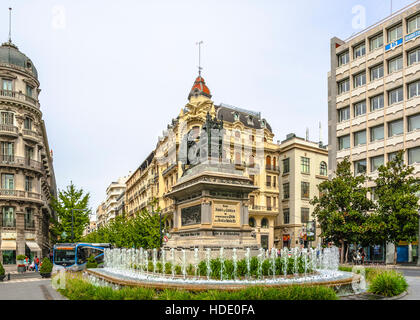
pixel 79 289
pixel 267 268
pixel 168 268
pixel 202 268
pixel 21 257
pixel 2 272
pixel 228 270
pixel 159 267
pixel 388 283
pixel 91 263
pixel 242 268
pixel 46 266
pixel 178 269
pixel 190 270
pixel 254 266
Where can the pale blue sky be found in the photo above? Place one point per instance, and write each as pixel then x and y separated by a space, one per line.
pixel 114 73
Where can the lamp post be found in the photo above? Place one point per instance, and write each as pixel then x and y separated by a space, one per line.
pixel 72 223
pixel 418 244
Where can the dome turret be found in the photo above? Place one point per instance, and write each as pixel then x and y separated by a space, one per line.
pixel 10 54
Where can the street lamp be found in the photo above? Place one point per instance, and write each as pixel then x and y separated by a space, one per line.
pixel 418 243
pixel 72 214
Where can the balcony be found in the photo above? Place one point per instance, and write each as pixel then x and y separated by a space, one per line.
pixel 15 161
pixel 8 130
pixel 169 169
pixel 272 168
pixel 9 223
pixel 31 135
pixel 14 95
pixel 20 195
pixel 263 208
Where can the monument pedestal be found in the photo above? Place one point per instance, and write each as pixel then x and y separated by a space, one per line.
pixel 211 209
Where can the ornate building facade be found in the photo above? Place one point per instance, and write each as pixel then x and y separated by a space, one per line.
pixel 247 143
pixel 26 163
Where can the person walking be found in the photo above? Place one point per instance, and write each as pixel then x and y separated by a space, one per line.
pixel 362 254
pixel 26 263
pixel 36 263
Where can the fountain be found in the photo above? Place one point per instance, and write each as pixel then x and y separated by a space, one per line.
pixel 130 267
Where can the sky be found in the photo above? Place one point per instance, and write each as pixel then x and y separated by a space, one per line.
pixel 113 74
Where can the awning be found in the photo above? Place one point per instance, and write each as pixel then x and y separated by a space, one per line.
pixel 33 246
pixel 8 245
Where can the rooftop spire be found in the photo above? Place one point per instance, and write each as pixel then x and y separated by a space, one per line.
pixel 10 25
pixel 199 57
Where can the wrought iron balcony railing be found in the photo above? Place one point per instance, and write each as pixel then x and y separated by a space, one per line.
pixel 20 161
pixel 8 128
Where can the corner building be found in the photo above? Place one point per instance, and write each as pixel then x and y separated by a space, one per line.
pixel 26 164
pixel 374 99
pixel 278 210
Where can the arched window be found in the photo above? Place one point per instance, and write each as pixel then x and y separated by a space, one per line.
pixel 268 161
pixel 252 222
pixel 323 169
pixel 264 223
pixel 274 162
pixel 237 134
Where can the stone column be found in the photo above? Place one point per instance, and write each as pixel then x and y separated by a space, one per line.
pixel 244 213
pixel 206 216
pixel 38 228
pixel 20 231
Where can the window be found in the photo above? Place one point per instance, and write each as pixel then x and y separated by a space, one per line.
pixel 395 128
pixel 344 142
pixel 343 58
pixel 28 123
pixel 29 90
pixel 268 181
pixel 274 181
pixel 305 164
pixel 252 222
pixel 360 166
pixel 9 219
pixel 29 218
pixel 360 108
pixel 305 190
pixel 413 56
pixel 377 72
pixel 413 24
pixel 414 155
pixel 376 162
pixel 359 51
pixel 7 118
pixel 377 133
pixel 7 151
pixel 395 96
pixel 323 171
pixel 8 181
pixel 236 116
pixel 376 42
pixel 304 215
pixel 392 156
pixel 360 138
pixel 286 166
pixel 414 122
pixel 359 79
pixel 252 201
pixel 28 184
pixel 344 114
pixel 264 223
pixel 395 64
pixel 286 190
pixel 377 102
pixel 252 177
pixel 413 89
pixel 286 216
pixel 395 33
pixel 268 203
pixel 7 85
pixel 373 195
pixel 343 86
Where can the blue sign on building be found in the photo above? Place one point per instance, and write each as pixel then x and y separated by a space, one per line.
pixel 412 36
pixel 394 44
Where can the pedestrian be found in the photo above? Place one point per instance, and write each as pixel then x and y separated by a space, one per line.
pixel 362 254
pixel 36 263
pixel 26 263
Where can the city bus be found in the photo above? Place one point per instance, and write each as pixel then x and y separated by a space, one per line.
pixel 73 256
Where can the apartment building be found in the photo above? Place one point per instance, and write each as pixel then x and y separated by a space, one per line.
pixel 248 144
pixel 374 95
pixel 113 193
pixel 101 215
pixel 26 162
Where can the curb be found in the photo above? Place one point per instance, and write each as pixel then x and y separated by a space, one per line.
pixel 402 295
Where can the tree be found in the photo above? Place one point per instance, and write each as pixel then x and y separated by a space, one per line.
pixel 396 190
pixel 142 230
pixel 342 207
pixel 71 198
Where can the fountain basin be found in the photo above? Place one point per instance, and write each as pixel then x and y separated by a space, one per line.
pixel 339 280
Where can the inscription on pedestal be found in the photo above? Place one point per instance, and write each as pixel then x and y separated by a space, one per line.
pixel 226 214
